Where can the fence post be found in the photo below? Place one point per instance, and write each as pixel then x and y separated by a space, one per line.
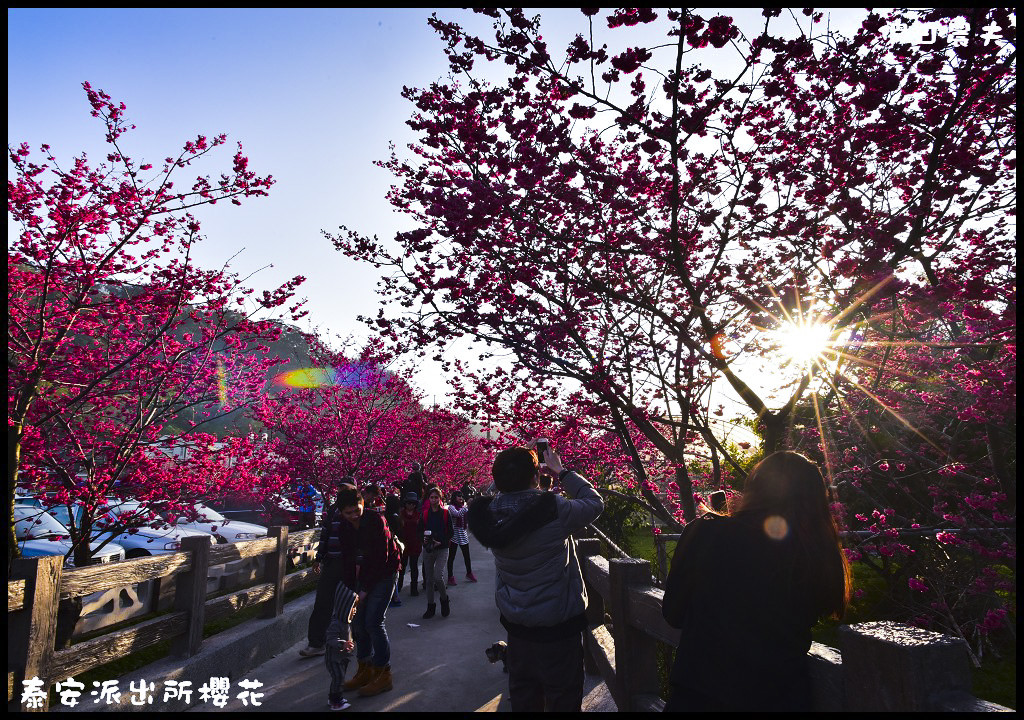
pixel 636 660
pixel 32 630
pixel 890 667
pixel 588 547
pixel 276 567
pixel 190 595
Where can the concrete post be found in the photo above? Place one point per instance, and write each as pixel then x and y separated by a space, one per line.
pixel 890 667
pixel 636 659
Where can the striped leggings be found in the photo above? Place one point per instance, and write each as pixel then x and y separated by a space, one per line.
pixel 337 666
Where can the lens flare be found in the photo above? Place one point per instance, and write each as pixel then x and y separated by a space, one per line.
pixel 306 378
pixel 776 527
pixel 804 342
pixel 222 383
pixel 352 376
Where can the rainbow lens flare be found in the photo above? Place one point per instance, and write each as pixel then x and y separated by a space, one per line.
pixel 222 383
pixel 349 376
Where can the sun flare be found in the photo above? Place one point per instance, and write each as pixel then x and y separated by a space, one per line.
pixel 804 342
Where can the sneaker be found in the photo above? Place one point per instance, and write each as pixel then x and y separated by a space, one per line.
pixel 451 580
pixel 342 704
pixel 471 577
pixel 396 601
pixel 311 651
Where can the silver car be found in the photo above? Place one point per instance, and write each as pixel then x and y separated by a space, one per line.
pixel 39 533
pixel 225 531
pixel 140 541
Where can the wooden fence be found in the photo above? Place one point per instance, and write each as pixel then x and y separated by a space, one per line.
pixel 37 586
pixel 879 667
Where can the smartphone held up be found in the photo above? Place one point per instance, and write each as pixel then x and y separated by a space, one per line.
pixel 542 446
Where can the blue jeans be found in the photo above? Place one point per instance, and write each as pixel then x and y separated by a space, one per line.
pixel 368 625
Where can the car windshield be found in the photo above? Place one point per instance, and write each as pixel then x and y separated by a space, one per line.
pixel 61 513
pixel 208 514
pixel 31 523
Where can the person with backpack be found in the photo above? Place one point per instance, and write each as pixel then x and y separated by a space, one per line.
pixel 370 559
pixel 437 535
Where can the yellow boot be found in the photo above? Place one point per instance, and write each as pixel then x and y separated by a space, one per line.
pixel 363 675
pixel 381 682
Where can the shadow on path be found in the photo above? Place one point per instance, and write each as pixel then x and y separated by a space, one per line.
pixel 438 664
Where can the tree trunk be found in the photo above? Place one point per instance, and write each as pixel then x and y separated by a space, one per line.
pixel 685 492
pixel 13 460
pixel 774 432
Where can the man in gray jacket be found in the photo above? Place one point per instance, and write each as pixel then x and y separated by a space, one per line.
pixel 540 592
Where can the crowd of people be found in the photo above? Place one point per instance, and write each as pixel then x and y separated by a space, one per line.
pixel 745 589
pixel 369 540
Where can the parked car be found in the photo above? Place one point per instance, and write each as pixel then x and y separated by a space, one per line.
pixel 39 533
pixel 224 530
pixel 140 541
pixel 272 511
pixel 28 501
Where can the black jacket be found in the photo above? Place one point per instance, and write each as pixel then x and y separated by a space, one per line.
pixel 745 617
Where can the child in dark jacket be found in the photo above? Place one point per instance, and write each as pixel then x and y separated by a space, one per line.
pixel 339 645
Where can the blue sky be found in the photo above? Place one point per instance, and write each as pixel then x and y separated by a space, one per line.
pixel 314 96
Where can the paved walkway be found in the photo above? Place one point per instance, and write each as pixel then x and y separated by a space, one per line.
pixel 438 664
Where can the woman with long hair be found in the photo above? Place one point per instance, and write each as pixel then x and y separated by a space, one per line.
pixel 746 590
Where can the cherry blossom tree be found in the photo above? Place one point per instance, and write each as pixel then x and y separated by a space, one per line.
pixel 113 333
pixel 636 214
pixel 356 413
pixel 627 218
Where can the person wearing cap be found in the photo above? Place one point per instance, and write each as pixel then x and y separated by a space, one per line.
pixel 410 535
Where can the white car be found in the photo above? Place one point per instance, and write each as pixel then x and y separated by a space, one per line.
pixel 225 531
pixel 39 533
pixel 141 541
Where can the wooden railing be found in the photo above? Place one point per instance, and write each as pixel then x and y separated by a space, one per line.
pixel 879 667
pixel 38 585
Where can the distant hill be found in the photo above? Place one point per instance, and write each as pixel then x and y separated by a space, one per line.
pixel 290 346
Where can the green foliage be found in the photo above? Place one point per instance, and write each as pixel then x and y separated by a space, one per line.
pixel 619 519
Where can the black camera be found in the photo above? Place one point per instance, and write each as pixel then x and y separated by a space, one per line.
pixel 498 651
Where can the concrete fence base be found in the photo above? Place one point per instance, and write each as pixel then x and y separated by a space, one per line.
pixel 228 654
